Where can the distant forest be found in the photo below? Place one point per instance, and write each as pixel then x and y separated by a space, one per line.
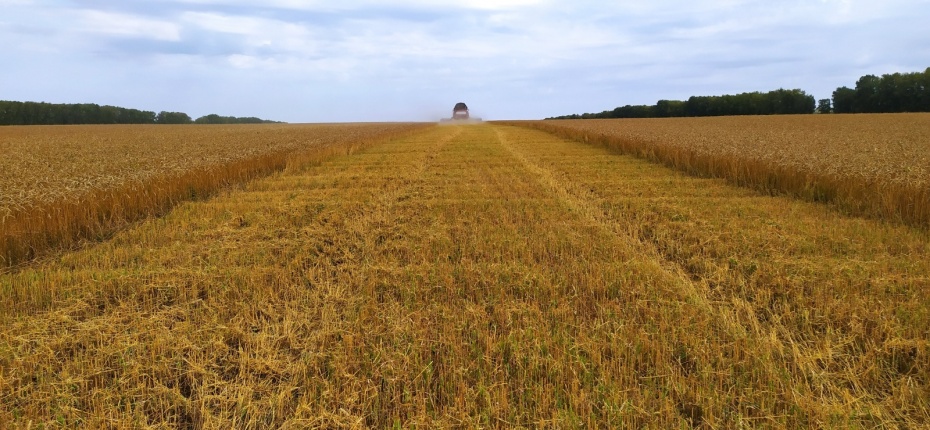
pixel 898 92
pixel 34 113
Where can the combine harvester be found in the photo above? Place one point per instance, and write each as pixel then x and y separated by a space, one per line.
pixel 460 115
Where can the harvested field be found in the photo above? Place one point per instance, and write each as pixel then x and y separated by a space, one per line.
pixel 62 183
pixel 477 276
pixel 876 164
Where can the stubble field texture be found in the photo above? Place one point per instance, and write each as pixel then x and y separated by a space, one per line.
pixel 477 276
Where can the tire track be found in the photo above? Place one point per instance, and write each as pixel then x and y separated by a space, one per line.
pixel 811 297
pixel 582 201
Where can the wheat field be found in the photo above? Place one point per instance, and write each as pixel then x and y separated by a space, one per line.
pixel 476 276
pixel 866 164
pixel 62 184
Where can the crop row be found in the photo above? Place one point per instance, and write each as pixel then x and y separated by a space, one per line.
pixel 63 184
pixel 874 165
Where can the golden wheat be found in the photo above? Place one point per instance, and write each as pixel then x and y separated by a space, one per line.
pixel 877 165
pixel 70 182
pixel 477 276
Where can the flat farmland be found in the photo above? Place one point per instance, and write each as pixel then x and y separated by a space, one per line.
pixel 53 163
pixel 875 165
pixel 60 184
pixel 476 276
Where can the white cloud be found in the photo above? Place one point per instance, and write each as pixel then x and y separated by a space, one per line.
pixel 270 34
pixel 120 24
pixel 473 4
pixel 244 25
pixel 320 5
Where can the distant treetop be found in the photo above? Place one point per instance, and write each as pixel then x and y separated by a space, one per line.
pixel 40 113
pixel 780 101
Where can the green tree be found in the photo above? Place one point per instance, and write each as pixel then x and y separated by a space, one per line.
pixel 867 99
pixel 844 100
pixel 212 119
pixel 164 117
pixel 824 106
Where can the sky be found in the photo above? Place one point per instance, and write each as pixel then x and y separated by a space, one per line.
pixel 412 60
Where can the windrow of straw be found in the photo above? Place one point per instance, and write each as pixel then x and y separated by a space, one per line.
pixel 866 165
pixel 61 185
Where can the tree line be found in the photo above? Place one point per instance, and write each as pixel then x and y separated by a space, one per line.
pixel 40 113
pixel 778 102
pixel 896 92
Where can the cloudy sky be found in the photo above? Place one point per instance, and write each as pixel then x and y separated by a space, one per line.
pixel 399 60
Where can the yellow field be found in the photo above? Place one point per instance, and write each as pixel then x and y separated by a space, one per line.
pixel 63 183
pixel 476 276
pixel 876 164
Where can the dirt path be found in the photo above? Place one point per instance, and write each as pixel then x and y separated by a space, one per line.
pixel 479 276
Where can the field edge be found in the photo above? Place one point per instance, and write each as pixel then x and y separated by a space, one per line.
pixel 853 196
pixel 29 233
